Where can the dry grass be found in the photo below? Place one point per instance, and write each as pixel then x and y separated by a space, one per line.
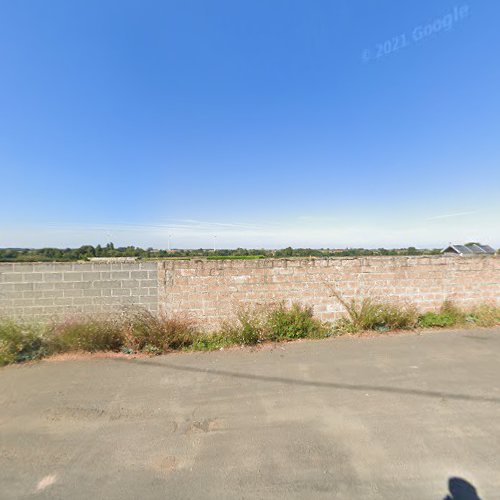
pixel 139 332
pixel 371 314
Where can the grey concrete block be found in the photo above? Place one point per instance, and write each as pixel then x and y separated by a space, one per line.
pixel 139 275
pixel 52 276
pixel 24 287
pixel 120 300
pixel 147 299
pixel 82 266
pixel 44 267
pixel 23 302
pixel 92 292
pixel 130 266
pixel 31 277
pixel 130 283
pixel 106 284
pixel 73 276
pixel 73 293
pixel 120 292
pixel 63 266
pixel 63 285
pixel 101 267
pixel 11 277
pixel 120 275
pixel 52 294
pixel 91 276
pixel 23 267
pixel 36 310
pixel 149 284
pixel 45 301
pixel 7 288
pixel 82 285
pixel 63 302
pixel 42 285
pixel 81 301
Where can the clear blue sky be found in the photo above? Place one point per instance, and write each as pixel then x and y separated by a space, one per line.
pixel 266 123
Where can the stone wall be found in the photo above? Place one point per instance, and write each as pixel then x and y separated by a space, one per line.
pixel 212 290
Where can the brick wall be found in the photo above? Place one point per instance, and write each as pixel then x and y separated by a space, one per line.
pixel 213 290
pixel 43 291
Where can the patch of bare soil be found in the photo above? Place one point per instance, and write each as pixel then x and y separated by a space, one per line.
pixel 78 355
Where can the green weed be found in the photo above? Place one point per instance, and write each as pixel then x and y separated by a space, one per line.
pixel 21 342
pixel 370 314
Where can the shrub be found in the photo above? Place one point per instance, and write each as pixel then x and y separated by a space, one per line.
pixel 143 331
pixel 449 315
pixel 294 323
pixel 485 315
pixel 369 314
pixel 21 342
pixel 453 311
pixel 87 334
pixel 435 320
pixel 250 328
pixel 212 341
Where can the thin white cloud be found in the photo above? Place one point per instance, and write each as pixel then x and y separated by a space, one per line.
pixel 317 218
pixel 446 216
pixel 180 224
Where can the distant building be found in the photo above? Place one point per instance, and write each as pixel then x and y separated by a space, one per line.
pixel 470 249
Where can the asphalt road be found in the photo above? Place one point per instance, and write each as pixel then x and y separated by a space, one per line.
pixel 394 416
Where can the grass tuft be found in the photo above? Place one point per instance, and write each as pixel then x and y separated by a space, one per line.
pixel 370 314
pixel 21 342
pixel 451 315
pixel 143 331
pixel 86 334
pixel 295 322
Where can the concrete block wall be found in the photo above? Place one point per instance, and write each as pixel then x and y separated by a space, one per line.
pixel 212 290
pixel 55 290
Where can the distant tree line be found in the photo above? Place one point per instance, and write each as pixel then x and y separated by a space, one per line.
pixel 86 252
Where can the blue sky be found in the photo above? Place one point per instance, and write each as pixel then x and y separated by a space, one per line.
pixel 262 123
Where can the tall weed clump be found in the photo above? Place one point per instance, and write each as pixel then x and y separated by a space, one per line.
pixel 295 322
pixel 275 322
pixel 485 315
pixel 86 334
pixel 451 315
pixel 371 314
pixel 143 331
pixel 21 342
